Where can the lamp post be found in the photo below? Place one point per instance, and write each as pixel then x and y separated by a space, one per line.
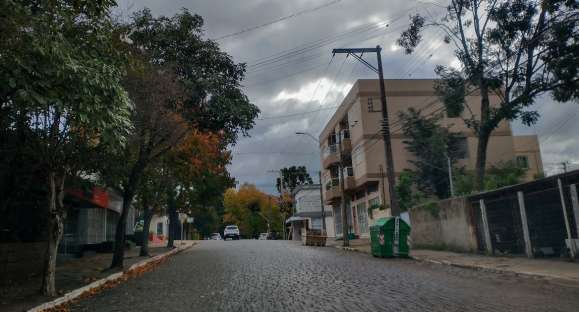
pixel 320 179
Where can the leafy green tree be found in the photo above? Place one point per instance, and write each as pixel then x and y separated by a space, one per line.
pixel 181 83
pixel 430 144
pixel 61 90
pixel 500 175
pixel 292 177
pixel 405 189
pixel 517 50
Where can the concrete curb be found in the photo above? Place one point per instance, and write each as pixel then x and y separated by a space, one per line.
pixel 533 275
pixel 68 297
pixel 569 282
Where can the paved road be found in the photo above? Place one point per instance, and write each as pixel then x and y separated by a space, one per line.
pixel 283 276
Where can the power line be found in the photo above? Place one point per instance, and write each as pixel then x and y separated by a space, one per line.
pixel 281 19
pixel 326 41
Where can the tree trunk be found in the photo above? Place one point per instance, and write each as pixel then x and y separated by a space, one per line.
pixel 120 233
pixel 55 228
pixel 483 134
pixel 481 159
pixel 146 225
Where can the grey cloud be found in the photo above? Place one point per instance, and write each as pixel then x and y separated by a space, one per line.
pixel 273 143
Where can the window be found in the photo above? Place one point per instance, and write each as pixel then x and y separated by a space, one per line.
pixel 461 148
pixel 332 139
pixel 316 223
pixel 360 194
pixel 522 162
pixel 358 154
pixel 160 228
pixel 362 217
pixel 372 188
pixel 374 202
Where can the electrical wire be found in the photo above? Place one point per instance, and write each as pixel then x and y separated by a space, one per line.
pixel 278 20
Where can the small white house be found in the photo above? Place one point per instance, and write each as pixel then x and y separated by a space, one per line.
pixel 308 211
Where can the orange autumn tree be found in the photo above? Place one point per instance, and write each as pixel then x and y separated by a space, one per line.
pixel 252 210
pixel 195 163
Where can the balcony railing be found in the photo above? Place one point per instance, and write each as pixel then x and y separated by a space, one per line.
pixel 329 150
pixel 333 183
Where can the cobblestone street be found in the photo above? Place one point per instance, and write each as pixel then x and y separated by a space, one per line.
pixel 284 276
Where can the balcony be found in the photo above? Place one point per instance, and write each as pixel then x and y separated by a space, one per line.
pixel 349 181
pixel 330 155
pixel 332 191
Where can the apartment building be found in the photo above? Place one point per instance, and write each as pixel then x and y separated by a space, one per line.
pixel 353 137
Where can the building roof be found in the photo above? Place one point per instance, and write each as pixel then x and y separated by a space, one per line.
pixel 305 187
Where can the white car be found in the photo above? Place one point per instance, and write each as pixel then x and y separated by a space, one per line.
pixel 231 231
pixel 263 236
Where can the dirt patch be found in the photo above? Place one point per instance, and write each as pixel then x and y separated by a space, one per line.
pixel 70 274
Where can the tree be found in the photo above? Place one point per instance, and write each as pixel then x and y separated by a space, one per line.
pixel 431 146
pixel 62 92
pixel 199 155
pixel 252 210
pixel 517 50
pixel 182 83
pixel 409 197
pixel 151 198
pixel 293 176
pixel 500 175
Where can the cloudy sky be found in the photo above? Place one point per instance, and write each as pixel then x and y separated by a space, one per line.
pixel 297 84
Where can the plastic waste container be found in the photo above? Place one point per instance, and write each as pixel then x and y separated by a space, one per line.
pixel 389 238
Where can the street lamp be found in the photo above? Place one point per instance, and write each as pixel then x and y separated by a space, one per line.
pixel 310 135
pixel 319 178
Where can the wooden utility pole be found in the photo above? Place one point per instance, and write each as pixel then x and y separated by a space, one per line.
pixel 343 210
pixel 394 205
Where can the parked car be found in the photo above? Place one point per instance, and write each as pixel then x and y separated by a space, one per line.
pixel 215 236
pixel 231 231
pixel 263 236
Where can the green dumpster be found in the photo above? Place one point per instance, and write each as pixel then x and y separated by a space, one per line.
pixel 389 238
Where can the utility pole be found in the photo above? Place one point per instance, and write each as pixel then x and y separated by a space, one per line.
pixel 344 212
pixel 450 176
pixel 564 164
pixel 382 182
pixel 394 205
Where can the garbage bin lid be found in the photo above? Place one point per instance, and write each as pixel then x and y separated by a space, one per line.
pixel 390 223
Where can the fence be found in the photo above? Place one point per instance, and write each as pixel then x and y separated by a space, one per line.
pixel 537 219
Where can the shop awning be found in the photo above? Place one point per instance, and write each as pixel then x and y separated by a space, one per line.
pixel 294 219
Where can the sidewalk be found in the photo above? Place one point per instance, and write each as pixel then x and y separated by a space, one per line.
pixel 72 274
pixel 558 269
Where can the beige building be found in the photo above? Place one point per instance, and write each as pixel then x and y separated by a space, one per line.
pixel 356 126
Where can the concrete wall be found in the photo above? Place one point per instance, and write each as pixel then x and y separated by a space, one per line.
pixel 159 219
pixel 446 225
pixel 330 231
